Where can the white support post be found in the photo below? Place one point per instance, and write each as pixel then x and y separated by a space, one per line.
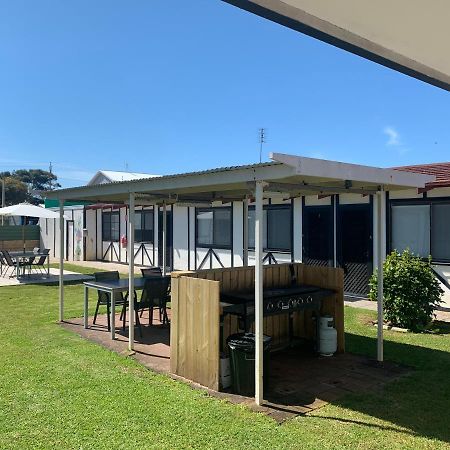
pixel 375 232
pixel 245 233
pixel 381 227
pixel 259 323
pixel 131 227
pixel 61 260
pixel 3 198
pixel 335 197
pixel 164 239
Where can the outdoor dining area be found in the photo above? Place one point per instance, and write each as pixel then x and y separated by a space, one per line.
pixel 112 293
pixel 25 263
pixel 30 263
pixel 285 302
pixel 186 321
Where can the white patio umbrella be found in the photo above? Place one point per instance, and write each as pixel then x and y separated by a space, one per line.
pixel 28 210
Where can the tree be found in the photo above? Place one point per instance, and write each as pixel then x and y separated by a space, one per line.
pixel 15 191
pixel 27 185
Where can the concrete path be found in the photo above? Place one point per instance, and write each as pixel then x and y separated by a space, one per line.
pixel 37 278
pixel 105 265
pixel 442 314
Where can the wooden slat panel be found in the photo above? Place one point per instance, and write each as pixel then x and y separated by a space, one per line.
pixel 190 330
pixel 194 349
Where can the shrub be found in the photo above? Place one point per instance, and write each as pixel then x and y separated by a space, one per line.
pixel 411 290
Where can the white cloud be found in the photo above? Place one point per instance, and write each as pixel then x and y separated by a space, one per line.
pixel 393 136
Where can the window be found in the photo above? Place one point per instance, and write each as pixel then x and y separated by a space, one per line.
pixel 144 226
pixel 411 228
pixel 277 228
pixel 111 226
pixel 214 227
pixel 440 227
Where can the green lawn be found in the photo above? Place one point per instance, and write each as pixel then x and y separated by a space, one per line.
pixel 59 391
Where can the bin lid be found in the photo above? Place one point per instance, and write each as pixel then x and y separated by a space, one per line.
pixel 246 341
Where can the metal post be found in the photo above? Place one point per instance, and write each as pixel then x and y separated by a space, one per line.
pixel 335 231
pixel 131 228
pixel 86 307
pixel 164 239
pixel 375 232
pixel 3 198
pixel 245 233
pixel 381 206
pixel 61 260
pixel 259 324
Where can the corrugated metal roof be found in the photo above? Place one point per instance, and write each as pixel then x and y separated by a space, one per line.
pixel 115 175
pixel 440 170
pixel 184 174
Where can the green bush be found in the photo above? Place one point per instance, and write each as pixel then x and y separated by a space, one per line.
pixel 411 290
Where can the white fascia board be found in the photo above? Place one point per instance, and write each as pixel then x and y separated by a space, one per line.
pixel 199 182
pixel 335 170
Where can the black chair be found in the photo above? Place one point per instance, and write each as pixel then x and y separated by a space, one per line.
pixel 3 265
pixel 104 298
pixel 39 264
pixel 11 263
pixel 151 272
pixel 154 295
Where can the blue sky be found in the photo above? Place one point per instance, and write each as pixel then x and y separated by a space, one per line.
pixel 165 86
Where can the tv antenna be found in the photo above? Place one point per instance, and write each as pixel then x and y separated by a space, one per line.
pixel 262 140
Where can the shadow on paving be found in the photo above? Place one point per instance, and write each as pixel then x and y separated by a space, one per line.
pixel 419 402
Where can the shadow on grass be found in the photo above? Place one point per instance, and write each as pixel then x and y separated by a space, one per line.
pixel 438 327
pixel 419 402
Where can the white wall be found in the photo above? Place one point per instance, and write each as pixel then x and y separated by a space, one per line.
pixel 180 237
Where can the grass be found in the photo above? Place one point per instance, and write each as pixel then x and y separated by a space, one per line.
pixel 59 391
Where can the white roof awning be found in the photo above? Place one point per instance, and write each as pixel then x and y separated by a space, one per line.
pixel 288 174
pixel 410 36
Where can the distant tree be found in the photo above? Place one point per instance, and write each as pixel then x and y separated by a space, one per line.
pixel 16 191
pixel 27 185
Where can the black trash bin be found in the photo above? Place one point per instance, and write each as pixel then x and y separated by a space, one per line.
pixel 242 357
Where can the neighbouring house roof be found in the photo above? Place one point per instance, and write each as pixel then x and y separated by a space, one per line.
pixel 440 170
pixel 111 176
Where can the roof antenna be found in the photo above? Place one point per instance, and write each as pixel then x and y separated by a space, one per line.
pixel 126 166
pixel 262 140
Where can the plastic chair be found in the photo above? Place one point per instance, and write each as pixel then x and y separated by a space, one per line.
pixel 104 298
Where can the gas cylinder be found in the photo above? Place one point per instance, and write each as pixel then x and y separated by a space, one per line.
pixel 327 336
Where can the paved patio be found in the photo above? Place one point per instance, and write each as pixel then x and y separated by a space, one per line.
pixel 37 278
pixel 299 381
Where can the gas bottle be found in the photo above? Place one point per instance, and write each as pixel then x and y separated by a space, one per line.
pixel 327 336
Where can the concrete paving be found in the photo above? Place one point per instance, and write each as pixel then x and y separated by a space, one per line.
pixel 105 266
pixel 442 314
pixel 38 278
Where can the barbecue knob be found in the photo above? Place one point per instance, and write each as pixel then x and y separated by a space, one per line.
pixel 291 303
pixel 310 299
pixel 280 305
pixel 270 306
